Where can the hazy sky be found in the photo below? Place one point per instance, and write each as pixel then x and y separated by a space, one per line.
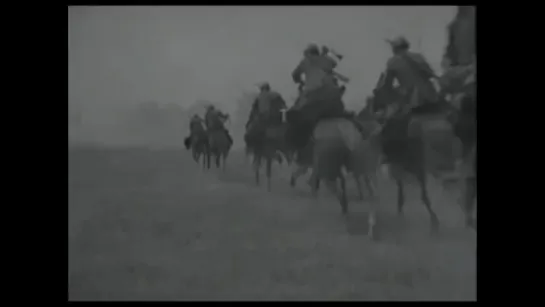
pixel 126 55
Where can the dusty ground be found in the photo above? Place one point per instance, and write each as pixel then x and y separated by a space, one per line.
pixel 148 225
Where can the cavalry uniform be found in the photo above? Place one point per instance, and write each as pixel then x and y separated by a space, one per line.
pixel 459 61
pixel 320 98
pixel 214 120
pixel 196 131
pixel 417 104
pixel 326 53
pixel 319 93
pixel 266 112
pixel 413 74
pixel 196 124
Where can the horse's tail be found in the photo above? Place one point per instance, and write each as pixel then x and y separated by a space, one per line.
pixel 187 142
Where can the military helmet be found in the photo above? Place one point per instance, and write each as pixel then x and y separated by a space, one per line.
pixel 264 85
pixel 325 49
pixel 312 49
pixel 399 42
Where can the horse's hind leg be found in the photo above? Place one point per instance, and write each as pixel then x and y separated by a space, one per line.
pixel 400 196
pixel 371 182
pixel 469 196
pixel 218 160
pixel 257 165
pixel 421 177
pixel 268 170
pixel 359 185
pixel 314 183
pixel 298 172
pixel 341 194
pixel 313 180
pixel 224 162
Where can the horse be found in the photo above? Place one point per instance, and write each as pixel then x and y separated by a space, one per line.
pixel 219 147
pixel 199 145
pixel 464 121
pixel 337 144
pixel 369 124
pixel 281 155
pixel 270 147
pixel 409 138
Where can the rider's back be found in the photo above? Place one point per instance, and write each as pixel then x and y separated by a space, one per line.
pixel 213 120
pixel 196 126
pixel 266 102
pixel 413 71
pixel 462 45
pixel 318 71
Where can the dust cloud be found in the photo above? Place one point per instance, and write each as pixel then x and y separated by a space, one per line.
pixel 136 74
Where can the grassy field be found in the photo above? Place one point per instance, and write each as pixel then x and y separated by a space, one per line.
pixel 149 225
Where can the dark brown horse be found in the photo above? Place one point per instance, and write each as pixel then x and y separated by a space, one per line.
pixel 269 147
pixel 339 144
pixel 369 125
pixel 219 147
pixel 198 143
pixel 416 141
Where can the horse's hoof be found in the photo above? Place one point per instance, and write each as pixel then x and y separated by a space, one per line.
pixel 471 223
pixel 434 226
pixel 372 235
pixel 344 212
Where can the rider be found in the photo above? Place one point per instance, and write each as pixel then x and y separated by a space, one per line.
pixel 337 76
pixel 196 122
pixel 459 60
pixel 195 128
pixel 320 97
pixel 459 79
pixel 412 72
pixel 266 110
pixel 214 120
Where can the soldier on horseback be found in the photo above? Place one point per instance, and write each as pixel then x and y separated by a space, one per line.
pixel 197 135
pixel 412 72
pixel 266 116
pixel 414 111
pixel 196 124
pixel 329 54
pixel 215 119
pixel 266 112
pixel 459 60
pixel 320 97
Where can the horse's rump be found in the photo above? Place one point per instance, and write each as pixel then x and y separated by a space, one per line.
pixel 339 143
pixel 219 141
pixel 334 141
pixel 187 142
pixel 198 138
pixel 429 125
pixel 330 154
pixel 369 127
pixel 338 128
pixel 437 135
pixel 276 132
